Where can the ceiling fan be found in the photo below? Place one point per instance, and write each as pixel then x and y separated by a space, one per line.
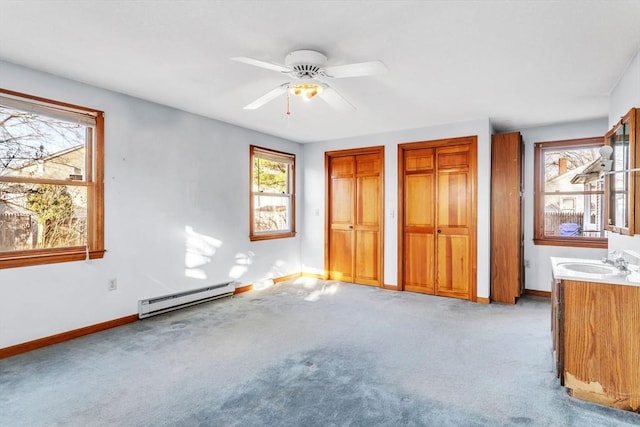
pixel 308 69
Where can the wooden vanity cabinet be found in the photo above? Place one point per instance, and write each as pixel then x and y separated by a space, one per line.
pixel 596 330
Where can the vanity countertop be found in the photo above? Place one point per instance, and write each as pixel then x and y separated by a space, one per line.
pixel 560 272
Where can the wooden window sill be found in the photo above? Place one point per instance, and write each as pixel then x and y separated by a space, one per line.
pixel 271 236
pixel 576 243
pixel 28 258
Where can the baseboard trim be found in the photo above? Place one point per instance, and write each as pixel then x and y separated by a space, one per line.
pixel 536 293
pixel 242 289
pixel 314 276
pixel 389 287
pixel 483 300
pixel 287 277
pixel 250 287
pixel 65 336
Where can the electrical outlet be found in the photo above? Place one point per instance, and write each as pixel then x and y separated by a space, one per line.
pixel 113 284
pixel 527 264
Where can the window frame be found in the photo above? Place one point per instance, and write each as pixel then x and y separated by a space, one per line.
pixel 94 249
pixel 289 158
pixel 539 237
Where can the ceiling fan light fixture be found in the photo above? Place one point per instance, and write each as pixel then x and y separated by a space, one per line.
pixel 308 69
pixel 307 90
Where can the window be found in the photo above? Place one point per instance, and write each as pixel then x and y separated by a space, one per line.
pixel 569 204
pixel 272 199
pixel 569 193
pixel 51 181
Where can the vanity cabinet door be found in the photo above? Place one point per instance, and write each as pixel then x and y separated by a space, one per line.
pixel 600 323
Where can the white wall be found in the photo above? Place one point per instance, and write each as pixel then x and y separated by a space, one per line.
pixel 165 170
pixel 538 274
pixel 314 193
pixel 625 96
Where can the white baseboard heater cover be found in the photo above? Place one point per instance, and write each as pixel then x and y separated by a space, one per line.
pixel 162 304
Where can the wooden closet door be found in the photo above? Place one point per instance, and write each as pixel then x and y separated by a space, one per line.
pixel 453 222
pixel 355 216
pixel 437 228
pixel 368 213
pixel 419 221
pixel 341 218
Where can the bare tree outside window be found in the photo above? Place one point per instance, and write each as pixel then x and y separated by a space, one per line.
pixel 29 141
pixel 43 176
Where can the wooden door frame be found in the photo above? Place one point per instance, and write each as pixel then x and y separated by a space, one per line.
pixel 472 141
pixel 379 149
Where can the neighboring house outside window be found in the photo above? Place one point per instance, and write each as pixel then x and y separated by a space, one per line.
pixel 272 198
pixel 51 181
pixel 569 193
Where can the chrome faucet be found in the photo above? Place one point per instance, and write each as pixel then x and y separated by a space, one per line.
pixel 617 260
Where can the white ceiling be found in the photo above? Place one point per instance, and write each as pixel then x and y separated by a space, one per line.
pixel 519 63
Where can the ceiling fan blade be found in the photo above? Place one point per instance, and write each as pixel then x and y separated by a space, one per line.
pixel 269 96
pixel 356 70
pixel 335 100
pixel 262 64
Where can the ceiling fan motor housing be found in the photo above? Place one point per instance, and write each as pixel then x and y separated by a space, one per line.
pixel 306 64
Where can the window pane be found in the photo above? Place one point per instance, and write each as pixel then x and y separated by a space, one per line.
pixel 270 213
pixel 562 165
pixel 619 200
pixel 620 182
pixel 38 146
pixel 270 176
pixel 38 216
pixel 620 144
pixel 584 219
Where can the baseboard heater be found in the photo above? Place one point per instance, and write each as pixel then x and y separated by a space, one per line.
pixel 162 304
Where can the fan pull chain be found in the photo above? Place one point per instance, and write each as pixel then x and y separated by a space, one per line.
pixel 288 110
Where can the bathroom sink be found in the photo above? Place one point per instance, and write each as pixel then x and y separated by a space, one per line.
pixel 590 268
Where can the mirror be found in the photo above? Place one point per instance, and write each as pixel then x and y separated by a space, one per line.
pixel 618 182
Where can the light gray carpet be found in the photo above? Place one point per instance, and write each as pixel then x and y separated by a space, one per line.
pixel 306 353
